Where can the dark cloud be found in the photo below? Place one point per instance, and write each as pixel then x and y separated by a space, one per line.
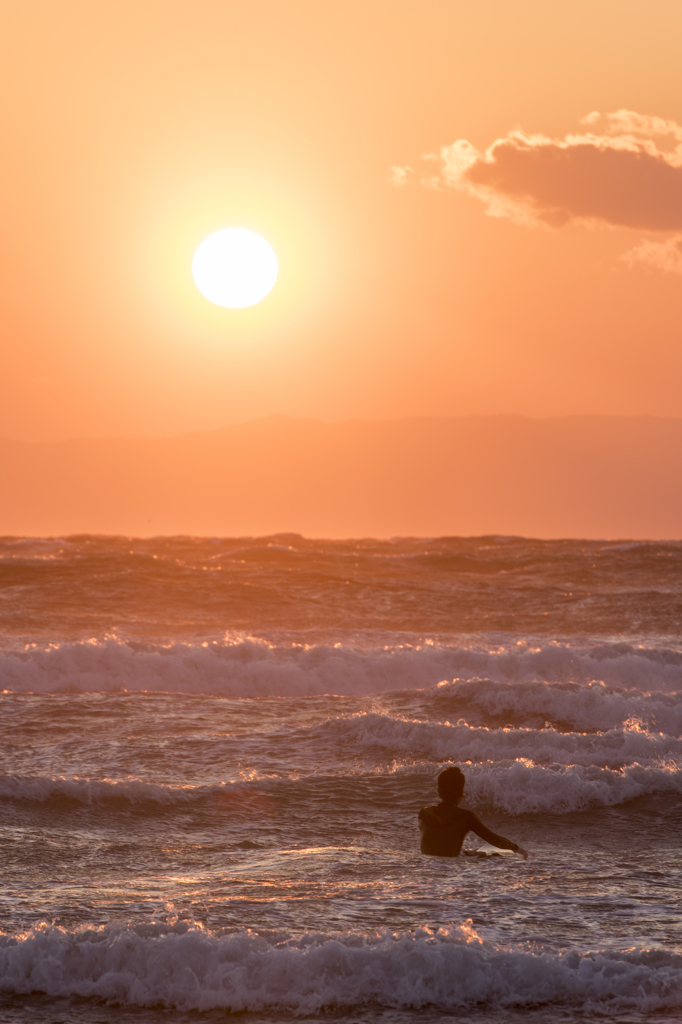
pixel 620 177
pixel 633 186
pixel 628 176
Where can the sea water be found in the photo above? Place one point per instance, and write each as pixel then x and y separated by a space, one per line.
pixel 214 752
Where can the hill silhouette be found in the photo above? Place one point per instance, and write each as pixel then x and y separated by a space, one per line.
pixel 581 476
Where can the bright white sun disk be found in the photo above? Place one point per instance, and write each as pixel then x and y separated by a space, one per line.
pixel 234 267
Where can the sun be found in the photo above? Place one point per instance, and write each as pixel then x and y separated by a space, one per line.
pixel 235 268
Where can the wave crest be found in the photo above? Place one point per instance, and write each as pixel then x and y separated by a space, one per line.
pixel 253 668
pixel 190 968
pixel 513 787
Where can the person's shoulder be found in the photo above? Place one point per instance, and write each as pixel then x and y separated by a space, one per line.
pixel 430 813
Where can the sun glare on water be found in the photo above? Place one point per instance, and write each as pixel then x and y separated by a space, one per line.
pixel 234 268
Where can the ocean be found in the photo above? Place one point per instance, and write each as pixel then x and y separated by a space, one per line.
pixel 214 752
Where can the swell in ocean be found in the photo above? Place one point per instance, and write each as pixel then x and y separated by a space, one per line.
pixel 73 588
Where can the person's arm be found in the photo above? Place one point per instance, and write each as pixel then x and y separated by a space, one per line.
pixel 477 826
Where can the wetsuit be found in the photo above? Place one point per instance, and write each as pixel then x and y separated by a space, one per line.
pixel 443 827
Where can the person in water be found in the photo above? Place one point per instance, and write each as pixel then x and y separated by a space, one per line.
pixel 443 826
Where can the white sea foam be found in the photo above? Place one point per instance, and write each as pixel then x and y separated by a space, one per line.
pixel 253 668
pixel 189 968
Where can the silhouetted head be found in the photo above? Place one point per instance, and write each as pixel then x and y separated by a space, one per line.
pixel 451 785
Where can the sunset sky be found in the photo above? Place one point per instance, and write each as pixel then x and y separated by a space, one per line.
pixel 476 209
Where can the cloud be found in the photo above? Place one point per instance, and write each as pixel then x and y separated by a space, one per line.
pixel 665 256
pixel 400 176
pixel 629 175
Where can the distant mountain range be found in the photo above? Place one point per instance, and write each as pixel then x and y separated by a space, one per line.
pixel 576 476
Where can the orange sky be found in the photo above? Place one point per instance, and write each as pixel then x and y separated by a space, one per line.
pixel 131 130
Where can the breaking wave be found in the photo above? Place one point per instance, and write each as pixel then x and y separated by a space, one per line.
pixel 514 787
pixel 434 741
pixel 248 667
pixel 186 967
pixel 580 706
